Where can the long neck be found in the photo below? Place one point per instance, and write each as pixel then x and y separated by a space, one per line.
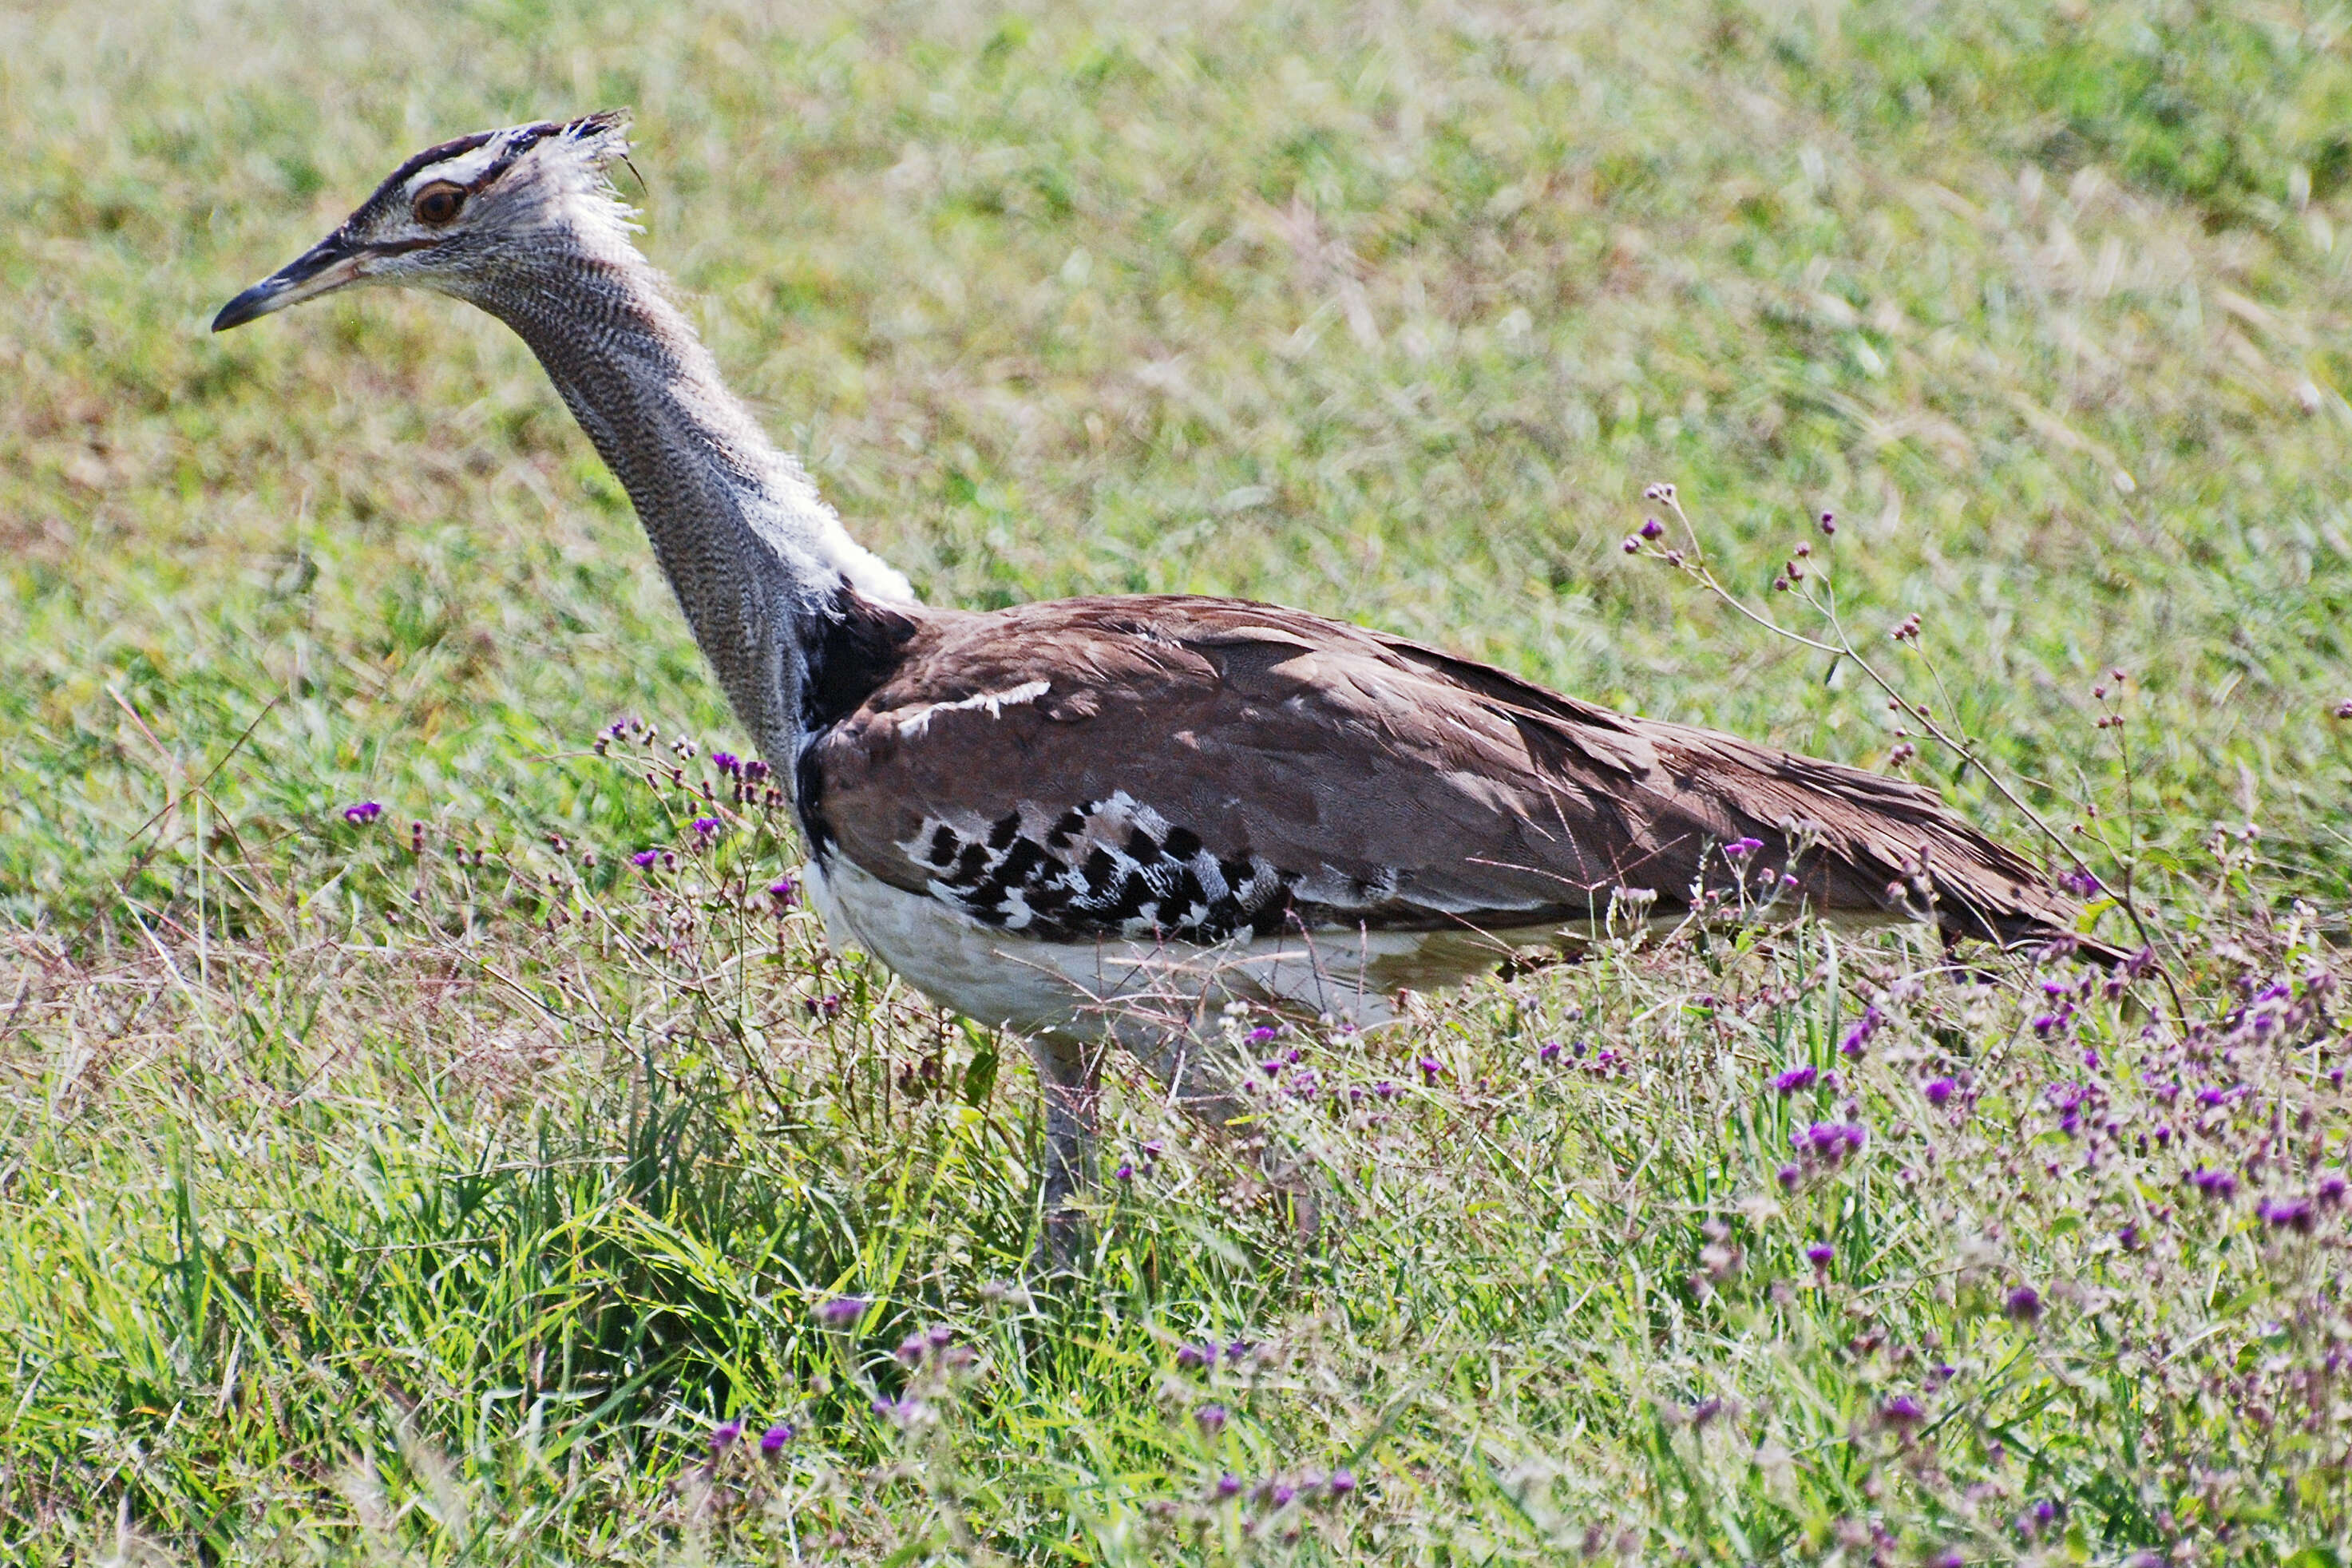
pixel 756 558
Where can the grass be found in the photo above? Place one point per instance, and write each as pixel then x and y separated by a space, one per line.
pixel 374 1192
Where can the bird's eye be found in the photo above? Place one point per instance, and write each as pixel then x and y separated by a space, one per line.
pixel 437 204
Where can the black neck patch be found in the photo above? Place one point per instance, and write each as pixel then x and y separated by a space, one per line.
pixel 860 645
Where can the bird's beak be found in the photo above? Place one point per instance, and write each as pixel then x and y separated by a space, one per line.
pixel 324 268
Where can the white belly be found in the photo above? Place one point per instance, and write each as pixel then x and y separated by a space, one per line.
pixel 1001 978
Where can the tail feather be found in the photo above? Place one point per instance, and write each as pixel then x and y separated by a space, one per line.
pixel 1858 844
pixel 1861 843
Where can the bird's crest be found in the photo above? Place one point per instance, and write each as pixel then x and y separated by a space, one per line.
pixel 576 159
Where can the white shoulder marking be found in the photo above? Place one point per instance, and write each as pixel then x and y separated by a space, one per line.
pixel 1251 633
pixel 992 703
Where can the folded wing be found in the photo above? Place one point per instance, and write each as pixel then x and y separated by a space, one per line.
pixel 1202 768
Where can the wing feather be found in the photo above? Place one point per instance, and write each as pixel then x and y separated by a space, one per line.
pixel 1197 767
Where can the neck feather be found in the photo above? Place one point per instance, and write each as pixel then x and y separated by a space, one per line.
pixel 757 559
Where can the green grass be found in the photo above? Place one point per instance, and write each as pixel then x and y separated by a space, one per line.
pixel 370 1196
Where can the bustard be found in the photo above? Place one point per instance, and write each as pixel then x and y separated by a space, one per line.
pixel 1106 818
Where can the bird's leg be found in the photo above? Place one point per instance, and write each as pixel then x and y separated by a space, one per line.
pixel 1190 1062
pixel 1068 1076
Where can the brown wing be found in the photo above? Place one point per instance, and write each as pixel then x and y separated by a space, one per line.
pixel 1199 767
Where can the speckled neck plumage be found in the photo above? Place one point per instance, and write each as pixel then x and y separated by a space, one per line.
pixel 758 561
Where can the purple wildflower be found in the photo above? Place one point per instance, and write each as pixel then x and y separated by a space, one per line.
pixel 1829 522
pixel 776 1437
pixel 1789 1176
pixel 1859 1037
pixel 910 1350
pixel 706 826
pixel 1229 1485
pixel 1192 1358
pixel 785 892
pixel 1209 1419
pixel 362 813
pixel 843 1311
pixel 1902 1411
pixel 726 763
pixel 1548 1051
pixel 722 1437
pixel 1633 544
pixel 1831 1141
pixel 1939 1090
pixel 1795 1078
pixel 1341 1483
pixel 1651 528
pixel 2287 1213
pixel 1430 1068
pixel 1820 1255
pixel 2213 1183
pixel 1126 1171
pixel 2081 882
pixel 2023 1305
pixel 645 858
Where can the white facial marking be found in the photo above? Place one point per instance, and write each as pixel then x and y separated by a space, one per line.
pixel 461 169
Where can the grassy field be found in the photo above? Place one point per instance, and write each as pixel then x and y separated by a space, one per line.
pixel 438 1185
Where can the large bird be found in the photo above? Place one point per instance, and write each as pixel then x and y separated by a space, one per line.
pixel 1107 818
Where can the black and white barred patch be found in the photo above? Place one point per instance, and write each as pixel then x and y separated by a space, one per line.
pixel 1109 867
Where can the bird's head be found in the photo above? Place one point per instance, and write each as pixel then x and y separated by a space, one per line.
pixel 464 215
